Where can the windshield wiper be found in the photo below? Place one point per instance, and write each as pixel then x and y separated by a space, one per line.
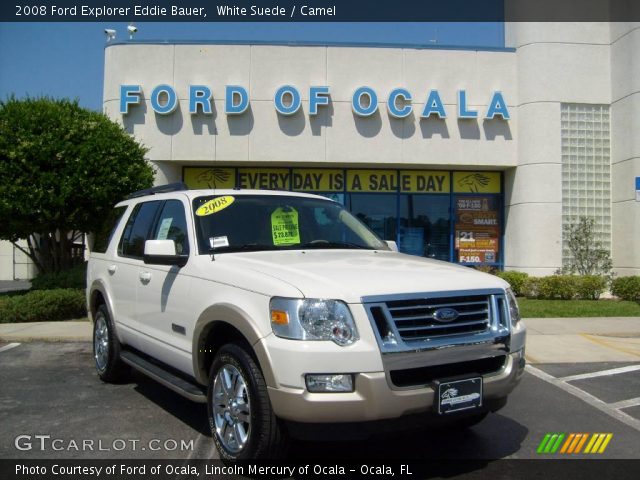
pixel 328 244
pixel 256 247
pixel 248 247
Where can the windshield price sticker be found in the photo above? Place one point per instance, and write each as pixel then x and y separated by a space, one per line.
pixel 218 242
pixel 214 205
pixel 284 227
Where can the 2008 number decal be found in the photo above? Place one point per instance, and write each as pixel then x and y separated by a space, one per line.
pixel 214 205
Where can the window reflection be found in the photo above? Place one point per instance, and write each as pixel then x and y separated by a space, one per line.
pixel 424 225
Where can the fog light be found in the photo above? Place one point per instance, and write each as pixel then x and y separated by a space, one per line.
pixel 323 383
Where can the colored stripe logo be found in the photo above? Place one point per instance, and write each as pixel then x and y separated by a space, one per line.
pixel 573 443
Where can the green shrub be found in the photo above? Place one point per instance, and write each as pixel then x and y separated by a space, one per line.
pixel 43 305
pixel 587 256
pixel 590 287
pixel 531 287
pixel 75 277
pixel 517 281
pixel 564 287
pixel 627 288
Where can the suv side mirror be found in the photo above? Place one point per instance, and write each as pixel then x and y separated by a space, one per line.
pixel 392 245
pixel 163 252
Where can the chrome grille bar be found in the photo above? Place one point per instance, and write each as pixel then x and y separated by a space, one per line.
pixel 440 305
pixel 433 327
pixel 427 316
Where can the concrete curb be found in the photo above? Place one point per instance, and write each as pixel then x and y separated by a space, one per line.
pixel 65 331
pixel 583 340
pixel 26 339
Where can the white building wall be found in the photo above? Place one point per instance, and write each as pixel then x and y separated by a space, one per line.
pixel 14 264
pixel 556 63
pixel 336 135
pixel 6 260
pixel 625 142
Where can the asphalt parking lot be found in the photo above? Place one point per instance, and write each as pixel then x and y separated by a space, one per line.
pixel 52 402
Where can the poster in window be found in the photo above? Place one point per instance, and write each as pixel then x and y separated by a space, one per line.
pixel 477 229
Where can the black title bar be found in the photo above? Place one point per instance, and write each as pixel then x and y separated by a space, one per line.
pixel 319 10
pixel 583 469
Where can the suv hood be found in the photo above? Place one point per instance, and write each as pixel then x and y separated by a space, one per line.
pixel 353 274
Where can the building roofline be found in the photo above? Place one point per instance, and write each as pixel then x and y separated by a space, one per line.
pixel 284 43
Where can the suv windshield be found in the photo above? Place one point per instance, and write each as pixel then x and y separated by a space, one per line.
pixel 228 223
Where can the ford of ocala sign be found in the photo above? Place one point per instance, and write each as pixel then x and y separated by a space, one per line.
pixel 288 101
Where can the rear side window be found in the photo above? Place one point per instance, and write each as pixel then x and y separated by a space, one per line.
pixel 172 225
pixel 137 229
pixel 103 236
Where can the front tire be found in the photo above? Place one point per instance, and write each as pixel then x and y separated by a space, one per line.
pixel 106 348
pixel 241 419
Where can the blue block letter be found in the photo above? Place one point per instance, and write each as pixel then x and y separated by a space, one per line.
pixel 199 95
pixel 278 99
pixel 498 107
pixel 236 100
pixel 129 95
pixel 434 105
pixel 317 96
pixel 405 111
pixel 463 112
pixel 171 103
pixel 356 102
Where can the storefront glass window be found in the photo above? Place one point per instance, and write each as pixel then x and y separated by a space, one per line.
pixel 378 211
pixel 454 216
pixel 425 225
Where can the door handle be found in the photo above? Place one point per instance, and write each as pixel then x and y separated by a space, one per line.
pixel 112 269
pixel 145 277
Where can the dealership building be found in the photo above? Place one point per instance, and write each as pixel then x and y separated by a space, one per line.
pixel 469 155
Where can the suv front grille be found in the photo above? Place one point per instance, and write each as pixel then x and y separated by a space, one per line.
pixel 421 319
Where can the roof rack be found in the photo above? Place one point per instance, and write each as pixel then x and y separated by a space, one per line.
pixel 169 187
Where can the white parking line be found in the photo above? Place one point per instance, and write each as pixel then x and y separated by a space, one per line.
pixel 586 397
pixel 602 373
pixel 8 347
pixel 632 402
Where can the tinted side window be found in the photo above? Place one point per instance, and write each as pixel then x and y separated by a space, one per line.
pixel 103 236
pixel 137 229
pixel 172 225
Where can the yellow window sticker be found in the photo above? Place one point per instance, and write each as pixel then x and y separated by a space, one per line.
pixel 284 227
pixel 214 205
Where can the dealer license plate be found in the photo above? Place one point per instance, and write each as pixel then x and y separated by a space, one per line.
pixel 457 395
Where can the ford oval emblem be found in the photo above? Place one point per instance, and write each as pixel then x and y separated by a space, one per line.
pixel 445 315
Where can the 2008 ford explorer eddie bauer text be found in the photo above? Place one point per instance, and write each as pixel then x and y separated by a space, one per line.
pixel 281 309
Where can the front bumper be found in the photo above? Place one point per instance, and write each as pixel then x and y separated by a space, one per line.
pixel 373 399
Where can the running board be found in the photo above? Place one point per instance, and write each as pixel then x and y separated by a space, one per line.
pixel 168 379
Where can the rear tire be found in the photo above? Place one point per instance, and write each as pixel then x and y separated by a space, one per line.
pixel 242 422
pixel 106 348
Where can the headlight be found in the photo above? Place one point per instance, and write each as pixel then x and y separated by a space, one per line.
pixel 313 319
pixel 514 311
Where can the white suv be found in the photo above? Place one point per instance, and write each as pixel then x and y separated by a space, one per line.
pixel 280 310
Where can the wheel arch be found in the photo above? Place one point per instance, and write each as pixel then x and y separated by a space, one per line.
pixel 98 296
pixel 220 324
